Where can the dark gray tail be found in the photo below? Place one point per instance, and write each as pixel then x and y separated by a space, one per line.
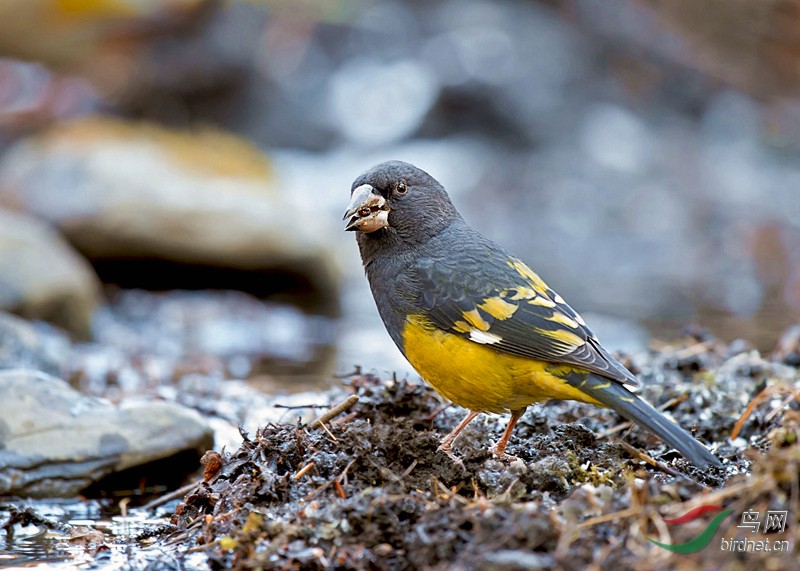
pixel 616 397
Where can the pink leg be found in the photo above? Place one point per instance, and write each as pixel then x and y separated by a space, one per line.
pixel 499 449
pixel 447 443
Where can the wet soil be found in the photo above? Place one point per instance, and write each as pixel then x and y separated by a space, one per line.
pixel 367 489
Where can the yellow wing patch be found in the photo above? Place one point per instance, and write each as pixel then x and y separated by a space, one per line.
pixel 498 308
pixel 527 273
pixel 530 295
pixel 522 292
pixel 566 337
pixel 543 301
pixel 559 317
pixel 474 318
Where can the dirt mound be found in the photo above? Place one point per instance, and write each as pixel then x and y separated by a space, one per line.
pixel 368 490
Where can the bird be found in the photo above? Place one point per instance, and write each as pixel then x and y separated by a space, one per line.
pixel 475 321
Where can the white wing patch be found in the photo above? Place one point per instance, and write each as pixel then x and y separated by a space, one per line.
pixel 483 337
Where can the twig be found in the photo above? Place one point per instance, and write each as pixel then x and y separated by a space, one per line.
pixel 328 430
pixel 794 396
pixel 760 397
pixel 692 350
pixel 408 470
pixel 339 489
pixel 303 471
pixel 341 477
pixel 171 496
pixel 198 548
pixel 505 496
pixel 630 512
pixel 451 495
pixel 335 411
pixel 343 419
pixel 356 371
pixel 324 486
pixel 614 429
pixel 759 483
pixel 297 406
pixel 636 453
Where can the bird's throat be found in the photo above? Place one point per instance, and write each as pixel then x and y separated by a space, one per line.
pixel 383 242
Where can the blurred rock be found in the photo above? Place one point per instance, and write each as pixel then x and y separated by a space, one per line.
pixel 162 209
pixel 27 345
pixel 54 442
pixel 43 277
pixel 33 97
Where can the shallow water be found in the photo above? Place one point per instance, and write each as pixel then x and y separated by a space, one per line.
pixel 34 547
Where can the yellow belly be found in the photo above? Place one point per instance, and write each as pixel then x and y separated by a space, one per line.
pixel 479 377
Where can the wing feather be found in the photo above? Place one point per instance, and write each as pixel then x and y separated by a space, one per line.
pixel 511 308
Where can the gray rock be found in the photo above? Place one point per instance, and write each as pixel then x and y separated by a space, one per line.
pixel 54 442
pixel 42 277
pixel 136 191
pixel 36 346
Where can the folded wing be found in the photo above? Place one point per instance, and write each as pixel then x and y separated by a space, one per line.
pixel 512 309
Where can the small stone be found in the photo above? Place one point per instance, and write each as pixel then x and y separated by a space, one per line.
pixel 55 442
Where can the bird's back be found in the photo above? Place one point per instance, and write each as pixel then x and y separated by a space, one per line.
pixel 469 286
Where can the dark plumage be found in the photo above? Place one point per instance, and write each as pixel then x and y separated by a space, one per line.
pixel 476 322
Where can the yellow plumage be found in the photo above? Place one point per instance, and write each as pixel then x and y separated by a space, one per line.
pixel 477 323
pixel 479 377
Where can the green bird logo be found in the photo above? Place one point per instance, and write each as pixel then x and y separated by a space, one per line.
pixel 702 540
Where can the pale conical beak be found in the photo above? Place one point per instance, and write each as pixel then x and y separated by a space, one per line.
pixel 367 210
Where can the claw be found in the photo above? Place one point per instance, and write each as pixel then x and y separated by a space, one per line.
pixel 449 451
pixel 502 455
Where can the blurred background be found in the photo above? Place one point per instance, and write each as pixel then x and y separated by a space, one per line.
pixel 173 173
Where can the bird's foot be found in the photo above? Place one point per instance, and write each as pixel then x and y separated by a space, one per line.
pixel 503 455
pixel 499 449
pixel 450 454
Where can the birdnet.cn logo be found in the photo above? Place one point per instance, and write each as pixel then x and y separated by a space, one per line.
pixel 774 521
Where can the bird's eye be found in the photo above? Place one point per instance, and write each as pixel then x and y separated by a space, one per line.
pixel 401 187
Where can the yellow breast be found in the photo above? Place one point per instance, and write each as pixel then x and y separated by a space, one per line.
pixel 479 377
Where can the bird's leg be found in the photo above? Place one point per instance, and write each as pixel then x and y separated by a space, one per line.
pixel 446 445
pixel 499 449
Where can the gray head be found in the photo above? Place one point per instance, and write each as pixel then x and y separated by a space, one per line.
pixel 400 203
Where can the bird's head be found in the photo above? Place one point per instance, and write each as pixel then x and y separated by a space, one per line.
pixel 398 199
